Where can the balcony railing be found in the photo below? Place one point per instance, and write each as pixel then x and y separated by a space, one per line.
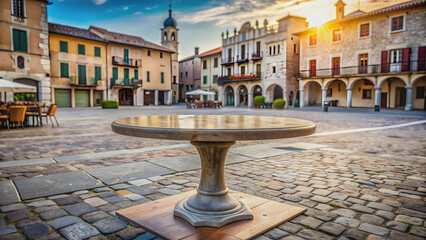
pixel 242 58
pixel 91 81
pixel 126 82
pixel 228 60
pixel 130 62
pixel 239 78
pixel 257 55
pixel 403 67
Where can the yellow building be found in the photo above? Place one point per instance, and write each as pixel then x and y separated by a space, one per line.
pixel 78 66
pixel 24 46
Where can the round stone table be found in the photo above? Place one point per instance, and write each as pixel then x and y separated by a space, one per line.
pixel 213 136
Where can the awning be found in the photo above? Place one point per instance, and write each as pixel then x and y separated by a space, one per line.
pixel 199 92
pixel 10 86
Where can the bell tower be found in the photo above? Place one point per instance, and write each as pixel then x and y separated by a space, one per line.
pixel 340 9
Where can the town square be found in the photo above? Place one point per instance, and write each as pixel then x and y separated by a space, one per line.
pixel 284 124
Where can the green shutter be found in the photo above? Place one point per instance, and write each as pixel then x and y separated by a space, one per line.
pixel 64 70
pixel 147 76
pixel 204 79
pixel 214 78
pixel 81 49
pixel 216 97
pixel 97 51
pixel 98 73
pixel 63 46
pixel 126 56
pixel 114 73
pixel 162 77
pixel 136 74
pixel 126 73
pixel 20 40
pixel 82 74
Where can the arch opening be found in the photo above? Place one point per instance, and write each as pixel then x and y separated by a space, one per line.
pixel 393 93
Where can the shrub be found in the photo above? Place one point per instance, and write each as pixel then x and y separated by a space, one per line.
pixel 279 103
pixel 109 104
pixel 259 100
pixel 296 103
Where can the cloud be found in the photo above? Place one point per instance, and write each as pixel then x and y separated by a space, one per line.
pixel 99 2
pixel 125 8
pixel 137 13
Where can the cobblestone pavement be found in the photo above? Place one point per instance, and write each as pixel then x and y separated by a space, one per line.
pixel 361 185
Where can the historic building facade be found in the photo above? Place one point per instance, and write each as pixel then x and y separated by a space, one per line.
pixel 24 46
pixel 78 66
pixel 189 74
pixel 365 59
pixel 261 61
pixel 210 71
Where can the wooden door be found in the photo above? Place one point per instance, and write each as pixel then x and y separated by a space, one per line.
pixel 125 96
pixel 384 100
pixel 363 63
pixel 312 68
pixel 400 97
pixel 336 65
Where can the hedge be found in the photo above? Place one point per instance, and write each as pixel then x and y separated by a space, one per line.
pixel 279 103
pixel 109 104
pixel 259 100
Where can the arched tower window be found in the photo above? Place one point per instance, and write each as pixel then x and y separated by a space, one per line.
pixel 165 36
pixel 173 36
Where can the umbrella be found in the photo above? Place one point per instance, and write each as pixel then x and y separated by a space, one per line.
pixel 9 86
pixel 200 92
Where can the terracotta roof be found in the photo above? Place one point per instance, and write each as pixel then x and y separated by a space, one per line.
pixel 189 58
pixel 128 39
pixel 211 52
pixel 74 32
pixel 356 13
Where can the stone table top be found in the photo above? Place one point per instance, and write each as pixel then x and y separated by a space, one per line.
pixel 213 128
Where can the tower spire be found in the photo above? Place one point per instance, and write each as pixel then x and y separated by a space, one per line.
pixel 170 8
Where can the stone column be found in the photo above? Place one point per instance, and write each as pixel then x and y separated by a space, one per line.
pixel 409 100
pixel 91 101
pixel 324 96
pixel 250 100
pixel 301 98
pixel 156 97
pixel 236 99
pixel 377 96
pixel 349 97
pixel 72 97
pixel 170 98
pixel 142 99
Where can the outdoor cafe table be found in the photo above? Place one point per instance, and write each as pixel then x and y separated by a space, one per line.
pixel 212 211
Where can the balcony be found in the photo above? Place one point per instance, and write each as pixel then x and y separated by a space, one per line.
pixel 256 56
pixel 228 61
pixel 128 62
pixel 239 78
pixel 377 69
pixel 84 81
pixel 126 82
pixel 243 58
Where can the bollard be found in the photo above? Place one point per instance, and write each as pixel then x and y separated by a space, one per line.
pixel 377 108
pixel 325 107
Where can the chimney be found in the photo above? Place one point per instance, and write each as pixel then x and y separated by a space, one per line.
pixel 197 49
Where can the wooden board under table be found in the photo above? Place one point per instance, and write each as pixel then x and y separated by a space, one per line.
pixel 157 217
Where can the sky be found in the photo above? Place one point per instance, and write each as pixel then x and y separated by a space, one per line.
pixel 200 22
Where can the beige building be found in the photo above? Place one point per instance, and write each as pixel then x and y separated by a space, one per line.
pixel 365 59
pixel 24 46
pixel 210 71
pixel 78 66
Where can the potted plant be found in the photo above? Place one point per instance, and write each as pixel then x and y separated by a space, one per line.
pixel 334 103
pixel 258 101
pixel 279 103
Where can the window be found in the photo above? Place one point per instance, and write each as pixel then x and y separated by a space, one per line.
pixel 136 74
pixel 420 92
pixel 181 74
pixel 294 48
pixel 161 55
pixel 63 46
pixel 173 36
pixel 274 69
pixel 147 76
pixel 98 73
pixel 162 77
pixel 229 71
pixel 149 54
pixel 204 64
pixel 20 40
pixel 186 74
pixel 126 73
pixel 396 56
pixel 243 70
pixel 313 39
pixel 368 83
pixel 274 50
pixel 126 56
pixel 174 79
pixel 366 93
pixel 278 49
pixel 81 49
pixel 337 35
pixel 364 30
pixel 214 78
pixel 363 63
pixel 244 36
pixel 64 70
pixel 270 50
pixel 204 79
pixel 313 68
pixel 114 73
pixel 329 92
pixel 215 62
pixel 18 8
pixel 81 74
pixel 97 51
pixel 397 23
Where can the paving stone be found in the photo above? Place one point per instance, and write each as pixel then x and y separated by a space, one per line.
pixel 110 225
pixel 114 199
pixel 332 228
pixel 44 209
pixel 133 196
pixel 80 192
pixel 127 234
pixel 276 233
pixel 361 208
pixel 291 237
pixel 27 221
pixel 308 203
pixel 374 237
pixel 409 220
pixel 345 212
pixel 95 216
pixel 321 192
pixel 304 195
pixel 66 200
pixel 106 194
pixel 291 197
pixel 63 222
pixel 140 182
pixel 52 214
pixel 337 195
pixel 290 227
pixel 8 193
pixel 356 234
pixel 141 190
pixel 179 181
pixel 386 215
pixel 13 236
pixel 365 183
pixel 12 207
pixel 355 200
pixel 412 213
pixel 18 215
pixel 348 222
pixel 397 225
pixel 320 199
pixel 98 237
pixel 79 230
pixel 168 191
pixel 95 202
pixel 372 219
pixel 78 209
pixel 370 198
pixel 120 186
pixel 388 191
pixel 399 235
pixel 44 203
pixel 7 230
pixel 102 189
pixel 419 231
pixel 313 235
pixel 36 230
pixel 310 222
pixel 380 206
pixel 381 231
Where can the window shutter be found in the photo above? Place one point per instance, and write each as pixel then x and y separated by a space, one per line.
pixel 84 73
pixel 421 64
pixel 384 62
pixel 66 70
pixel 405 59
pixel 23 40
pixel 136 74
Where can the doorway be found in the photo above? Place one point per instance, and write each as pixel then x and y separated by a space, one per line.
pixel 384 100
pixel 400 97
pixel 125 97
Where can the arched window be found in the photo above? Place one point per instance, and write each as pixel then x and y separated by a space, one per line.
pixel 270 50
pixel 274 50
pixel 165 36
pixel 278 51
pixel 173 36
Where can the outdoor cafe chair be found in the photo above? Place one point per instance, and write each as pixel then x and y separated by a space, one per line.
pixel 17 114
pixel 36 115
pixel 5 118
pixel 50 113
